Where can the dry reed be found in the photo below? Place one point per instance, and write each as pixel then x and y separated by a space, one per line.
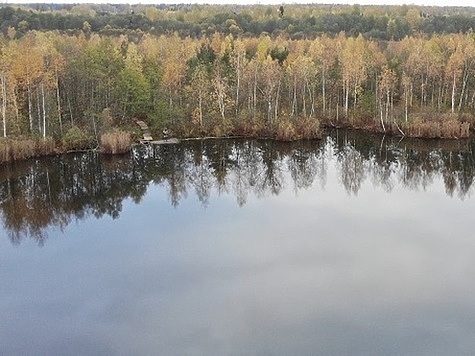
pixel 451 128
pixel 116 142
pixel 296 129
pixel 15 149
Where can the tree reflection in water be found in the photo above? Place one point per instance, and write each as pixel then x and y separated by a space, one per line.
pixel 52 192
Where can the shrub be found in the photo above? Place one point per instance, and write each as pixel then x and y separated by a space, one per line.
pixel 299 128
pixel 44 146
pixel 285 131
pixel 224 128
pixel 76 139
pixel 115 142
pixel 308 128
pixel 248 128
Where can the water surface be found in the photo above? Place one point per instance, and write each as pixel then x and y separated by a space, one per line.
pixel 356 244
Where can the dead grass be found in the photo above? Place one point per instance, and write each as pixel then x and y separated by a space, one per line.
pixel 296 129
pixel 308 128
pixel 116 142
pixel 15 149
pixel 248 128
pixel 285 131
pixel 441 128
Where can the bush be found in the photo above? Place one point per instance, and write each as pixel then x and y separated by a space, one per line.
pixel 115 142
pixel 76 139
pixel 285 131
pixel 308 128
pixel 224 128
pixel 296 129
pixel 248 128
pixel 44 146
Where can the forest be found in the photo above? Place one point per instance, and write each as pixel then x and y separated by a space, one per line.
pixel 380 22
pixel 73 75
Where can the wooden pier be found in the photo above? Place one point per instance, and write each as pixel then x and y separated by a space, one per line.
pixel 147 136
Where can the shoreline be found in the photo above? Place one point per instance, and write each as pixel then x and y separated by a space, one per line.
pixel 326 128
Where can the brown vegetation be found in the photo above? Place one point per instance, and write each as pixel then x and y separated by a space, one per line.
pixel 444 126
pixel 23 148
pixel 116 142
pixel 300 128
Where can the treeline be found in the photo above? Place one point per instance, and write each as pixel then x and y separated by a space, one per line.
pixel 77 87
pixel 38 195
pixel 296 21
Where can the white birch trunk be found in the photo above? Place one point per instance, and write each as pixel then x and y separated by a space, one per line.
pixel 44 109
pixel 4 104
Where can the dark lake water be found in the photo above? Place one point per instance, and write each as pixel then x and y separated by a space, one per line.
pixel 356 244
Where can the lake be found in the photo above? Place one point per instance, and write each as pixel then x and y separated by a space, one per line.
pixel 356 244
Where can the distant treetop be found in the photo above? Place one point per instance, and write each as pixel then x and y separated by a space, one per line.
pixel 382 22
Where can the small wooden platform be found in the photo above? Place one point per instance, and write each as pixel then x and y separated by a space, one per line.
pixel 147 136
pixel 148 139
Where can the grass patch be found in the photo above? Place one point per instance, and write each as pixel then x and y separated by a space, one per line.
pixel 443 128
pixel 15 149
pixel 297 129
pixel 116 142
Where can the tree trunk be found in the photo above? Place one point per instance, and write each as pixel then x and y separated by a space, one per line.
pixel 387 105
pixel 254 99
pixel 381 117
pixel 4 104
pixel 269 109
pixel 337 106
pixel 38 108
pixel 44 109
pixel 249 100
pixel 406 95
pixel 464 86
pixel 222 106
pixel 312 100
pixel 200 106
pixel 15 105
pixel 324 100
pixel 70 110
pixel 347 89
pixel 58 100
pixel 453 93
pixel 277 96
pixel 422 91
pixel 294 98
pixel 30 108
pixel 238 85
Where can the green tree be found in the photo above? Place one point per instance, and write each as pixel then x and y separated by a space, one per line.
pixel 133 89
